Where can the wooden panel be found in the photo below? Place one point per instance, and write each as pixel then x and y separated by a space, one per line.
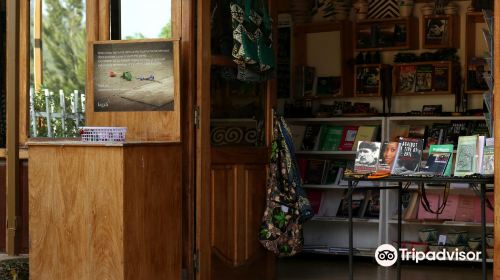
pixel 240 155
pixel 141 126
pixel 75 219
pixel 223 212
pixel 22 222
pixel 3 191
pixel 238 200
pixel 152 213
pixel 496 117
pixel 24 66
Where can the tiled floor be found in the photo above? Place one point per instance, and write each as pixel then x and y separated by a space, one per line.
pixel 317 267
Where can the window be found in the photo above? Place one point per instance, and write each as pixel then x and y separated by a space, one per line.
pixel 57 67
pixel 128 19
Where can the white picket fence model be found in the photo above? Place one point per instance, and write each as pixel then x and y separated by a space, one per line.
pixel 77 100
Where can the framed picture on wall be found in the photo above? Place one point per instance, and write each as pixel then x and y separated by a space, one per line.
pixel 440 31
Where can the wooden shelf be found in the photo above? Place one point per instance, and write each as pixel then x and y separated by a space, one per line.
pixel 363 38
pixel 445 223
pixel 325 187
pixel 326 152
pixel 345 220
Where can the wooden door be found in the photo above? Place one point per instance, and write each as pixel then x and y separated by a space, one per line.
pixel 231 165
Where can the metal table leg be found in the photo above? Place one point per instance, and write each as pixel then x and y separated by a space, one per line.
pixel 351 249
pixel 483 230
pixel 400 210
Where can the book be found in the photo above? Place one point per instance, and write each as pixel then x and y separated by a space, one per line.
pixel 417 131
pixel 480 153
pixel 406 79
pixel 411 211
pixel 400 130
pixel 423 78
pixel 387 156
pixel 440 77
pixel 348 138
pixel 444 148
pixel 311 136
pixel 465 209
pixel 330 137
pixel 436 134
pixel 365 133
pixel 436 163
pixel 367 155
pixel 297 132
pixel 373 206
pixel 408 156
pixel 423 214
pixel 315 170
pixel 330 202
pixel 488 160
pixel 358 205
pixel 314 197
pixel 450 210
pixel 466 155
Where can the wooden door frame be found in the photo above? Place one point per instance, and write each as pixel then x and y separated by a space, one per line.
pixel 496 117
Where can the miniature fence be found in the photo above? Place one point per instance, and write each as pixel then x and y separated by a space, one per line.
pixel 57 110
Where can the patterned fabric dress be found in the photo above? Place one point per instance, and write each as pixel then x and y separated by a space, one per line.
pixel 287 207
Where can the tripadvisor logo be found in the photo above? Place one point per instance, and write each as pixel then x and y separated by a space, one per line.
pixel 386 255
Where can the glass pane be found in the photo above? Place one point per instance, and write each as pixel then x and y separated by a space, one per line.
pixel 237 110
pixel 145 19
pixel 57 67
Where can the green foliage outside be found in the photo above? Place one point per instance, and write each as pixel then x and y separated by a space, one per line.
pixel 64 60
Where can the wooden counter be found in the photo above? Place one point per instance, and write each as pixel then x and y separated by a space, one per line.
pixel 105 211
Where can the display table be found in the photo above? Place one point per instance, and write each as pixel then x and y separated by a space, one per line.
pixel 105 211
pixel 482 181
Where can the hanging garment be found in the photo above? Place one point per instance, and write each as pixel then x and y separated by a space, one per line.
pixel 287 207
pixel 252 38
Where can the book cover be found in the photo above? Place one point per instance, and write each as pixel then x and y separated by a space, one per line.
pixel 358 205
pixel 310 137
pixel 436 134
pixel 400 130
pixel 411 211
pixel 367 155
pixel 449 212
pixel 365 133
pixel 348 138
pixel 315 170
pixel 436 163
pixel 466 155
pixel 480 153
pixel 465 209
pixel 408 156
pixel 330 202
pixel 330 137
pixel 423 214
pixel 387 156
pixel 406 80
pixel 440 77
pixel 314 197
pixel 488 160
pixel 298 132
pixel 373 205
pixel 417 131
pixel 332 169
pixel 423 78
pixel 444 148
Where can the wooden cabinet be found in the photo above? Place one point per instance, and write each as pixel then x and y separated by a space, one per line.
pixel 388 34
pixel 430 77
pixel 105 211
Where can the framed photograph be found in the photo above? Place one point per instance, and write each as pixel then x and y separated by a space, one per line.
pixel 368 80
pixel 440 31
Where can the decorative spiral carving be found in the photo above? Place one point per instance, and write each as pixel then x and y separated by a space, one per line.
pixel 234 135
pixel 251 136
pixel 218 135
